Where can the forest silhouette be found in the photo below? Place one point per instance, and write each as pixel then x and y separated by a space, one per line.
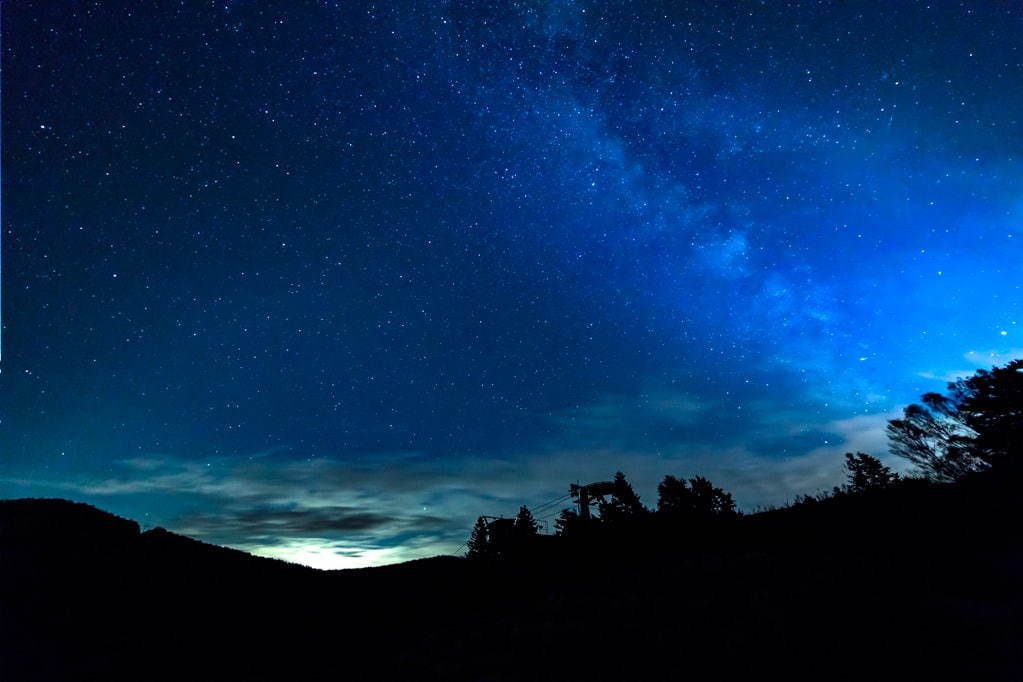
pixel 913 575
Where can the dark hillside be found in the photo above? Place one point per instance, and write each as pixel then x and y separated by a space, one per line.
pixel 61 521
pixel 913 581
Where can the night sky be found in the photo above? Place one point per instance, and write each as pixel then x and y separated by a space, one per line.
pixel 325 281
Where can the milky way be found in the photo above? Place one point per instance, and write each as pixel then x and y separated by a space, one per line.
pixel 327 280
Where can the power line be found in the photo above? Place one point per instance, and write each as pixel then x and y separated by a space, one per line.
pixel 541 508
pixel 546 511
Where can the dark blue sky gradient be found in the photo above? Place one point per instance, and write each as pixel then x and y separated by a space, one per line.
pixel 327 280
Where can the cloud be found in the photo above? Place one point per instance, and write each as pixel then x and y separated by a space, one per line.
pixel 979 360
pixel 863 433
pixel 333 512
pixel 286 522
pixel 989 358
pixel 947 377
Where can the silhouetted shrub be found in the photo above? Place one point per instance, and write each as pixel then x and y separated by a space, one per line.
pixel 807 500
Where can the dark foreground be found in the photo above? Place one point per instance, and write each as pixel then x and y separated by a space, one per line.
pixel 923 581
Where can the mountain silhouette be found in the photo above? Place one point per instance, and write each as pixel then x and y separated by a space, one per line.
pixel 917 580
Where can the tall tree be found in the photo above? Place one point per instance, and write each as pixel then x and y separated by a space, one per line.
pixel 525 524
pixel 478 545
pixel 933 436
pixel 978 425
pixel 990 404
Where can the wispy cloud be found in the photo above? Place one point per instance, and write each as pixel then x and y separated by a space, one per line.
pixel 993 357
pixel 985 359
pixel 332 512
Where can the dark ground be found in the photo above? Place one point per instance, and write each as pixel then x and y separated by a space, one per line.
pixel 921 581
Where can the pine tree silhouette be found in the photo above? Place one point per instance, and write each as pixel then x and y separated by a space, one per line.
pixel 525 524
pixel 478 545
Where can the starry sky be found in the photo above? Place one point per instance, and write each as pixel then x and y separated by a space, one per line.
pixel 326 280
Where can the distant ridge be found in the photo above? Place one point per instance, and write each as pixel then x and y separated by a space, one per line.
pixel 45 525
pixel 917 581
pixel 59 519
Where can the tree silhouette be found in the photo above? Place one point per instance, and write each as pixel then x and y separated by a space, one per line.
pixel 525 524
pixel 866 473
pixel 673 496
pixel 710 498
pixel 623 503
pixel 478 545
pixel 567 523
pixel 976 426
pixel 697 499
pixel 990 404
pixel 934 438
